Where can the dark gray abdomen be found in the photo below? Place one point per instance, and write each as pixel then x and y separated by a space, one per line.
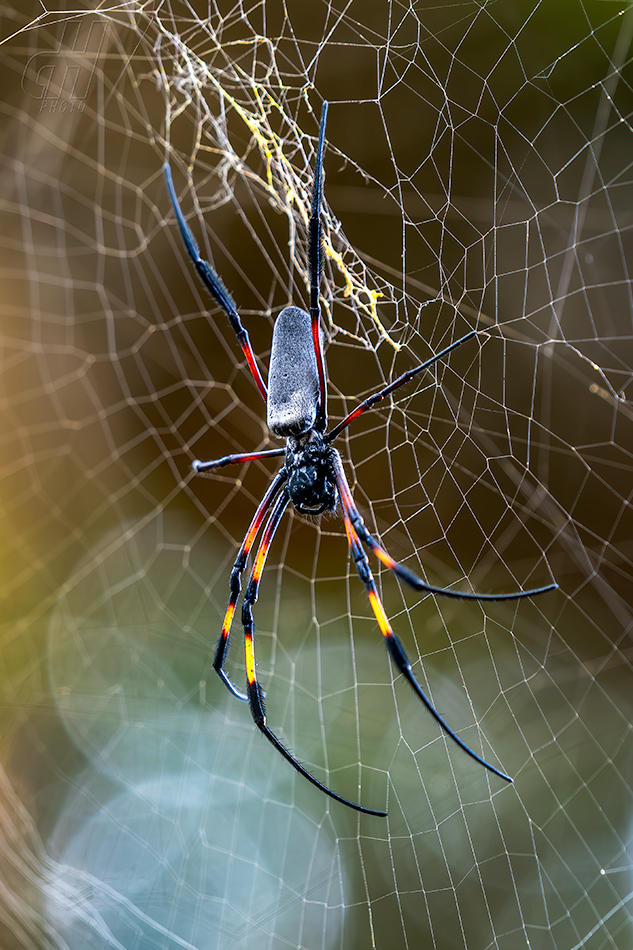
pixel 293 381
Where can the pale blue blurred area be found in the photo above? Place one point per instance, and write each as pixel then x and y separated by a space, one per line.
pixel 203 863
pixel 182 830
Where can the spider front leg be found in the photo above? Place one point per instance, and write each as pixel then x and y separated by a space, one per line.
pixel 395 648
pixel 222 646
pixel 214 285
pixel 315 261
pixel 255 695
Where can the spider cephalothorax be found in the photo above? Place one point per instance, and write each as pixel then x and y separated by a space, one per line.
pixel 310 484
pixel 312 477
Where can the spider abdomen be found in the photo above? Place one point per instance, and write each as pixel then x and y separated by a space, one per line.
pixel 293 379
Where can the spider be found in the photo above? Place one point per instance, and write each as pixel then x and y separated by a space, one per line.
pixel 312 477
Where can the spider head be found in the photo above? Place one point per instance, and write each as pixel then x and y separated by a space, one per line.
pixel 311 481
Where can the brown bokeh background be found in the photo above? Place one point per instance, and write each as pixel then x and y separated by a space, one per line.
pixel 478 162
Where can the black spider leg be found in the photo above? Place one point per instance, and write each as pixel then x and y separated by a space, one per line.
pixel 201 467
pixel 315 263
pixel 255 694
pixel 222 646
pixel 393 644
pixel 399 569
pixel 214 285
pixel 391 387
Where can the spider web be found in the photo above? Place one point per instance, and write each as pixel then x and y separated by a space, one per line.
pixel 478 175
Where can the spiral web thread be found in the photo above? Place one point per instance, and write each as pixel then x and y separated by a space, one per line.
pixel 477 176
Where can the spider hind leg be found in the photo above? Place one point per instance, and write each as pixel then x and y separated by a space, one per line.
pixel 393 644
pixel 222 646
pixel 400 570
pixel 255 693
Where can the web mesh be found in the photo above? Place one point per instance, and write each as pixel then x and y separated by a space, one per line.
pixel 478 175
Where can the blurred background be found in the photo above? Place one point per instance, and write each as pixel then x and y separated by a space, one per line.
pixel 477 176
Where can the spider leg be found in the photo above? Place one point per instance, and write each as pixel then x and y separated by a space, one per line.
pixel 222 646
pixel 396 384
pixel 315 261
pixel 255 694
pixel 352 512
pixel 200 467
pixel 395 648
pixel 214 285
